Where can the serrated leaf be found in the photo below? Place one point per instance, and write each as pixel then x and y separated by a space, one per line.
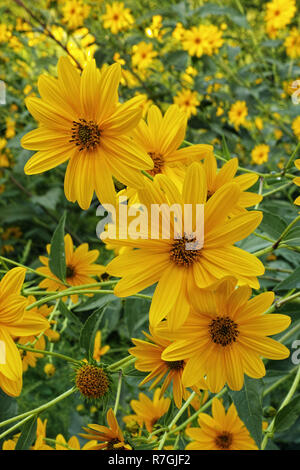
pixel 57 258
pixel 28 434
pixel 272 224
pixel 89 330
pixel 286 417
pixel 248 403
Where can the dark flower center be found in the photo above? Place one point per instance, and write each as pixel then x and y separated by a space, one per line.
pixel 70 272
pixel 175 365
pixel 85 134
pixel 158 163
pixel 224 440
pixel 223 331
pixel 185 250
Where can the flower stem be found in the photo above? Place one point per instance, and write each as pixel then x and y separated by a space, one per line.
pixel 48 353
pixel 38 410
pixel 118 392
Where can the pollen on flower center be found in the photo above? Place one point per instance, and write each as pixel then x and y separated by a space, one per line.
pixel 92 381
pixel 224 440
pixel 158 163
pixel 175 365
pixel 85 134
pixel 223 331
pixel 184 251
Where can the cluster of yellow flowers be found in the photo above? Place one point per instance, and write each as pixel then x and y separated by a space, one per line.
pixel 279 14
pixel 206 330
pixel 204 39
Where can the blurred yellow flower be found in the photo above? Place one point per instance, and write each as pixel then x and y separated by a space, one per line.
pixel 238 113
pixel 98 350
pixel 143 55
pixel 117 17
pixel 74 13
pixel 292 44
pixel 296 127
pixel 260 154
pixel 188 101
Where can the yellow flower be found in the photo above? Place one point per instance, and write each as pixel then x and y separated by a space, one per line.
pixel 188 101
pixel 161 136
pixel 15 321
pixel 49 369
pixel 72 444
pixel 238 113
pixel 227 174
pixel 204 39
pixel 75 12
pixel 98 350
pixel 155 29
pixel 260 154
pixel 222 431
pixel 149 360
pixel 296 127
pixel 149 412
pixel 117 18
pixel 3 143
pixel 297 181
pixel 225 336
pixel 82 122
pixel 80 264
pixel 179 32
pixel 10 128
pixel 111 437
pixel 259 123
pixel 143 55
pixel 179 268
pixel 279 14
pixel 278 134
pixel 292 44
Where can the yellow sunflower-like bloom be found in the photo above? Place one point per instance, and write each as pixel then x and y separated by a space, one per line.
pixel 179 268
pixel 204 39
pixel 225 336
pixel 215 179
pixel 75 12
pixel 297 181
pixel 150 411
pixel 82 122
pixel 279 14
pixel 260 154
pixel 188 101
pixel 149 360
pixel 80 263
pixel 238 113
pixel 222 431
pixel 292 44
pixel 161 136
pixel 15 322
pixel 117 17
pixel 143 55
pixel 111 437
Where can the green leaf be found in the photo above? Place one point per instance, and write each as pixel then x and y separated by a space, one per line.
pixel 57 258
pixel 286 417
pixel 272 224
pixel 293 237
pixel 89 330
pixel 249 407
pixel 291 282
pixel 225 149
pixel 68 313
pixel 27 435
pixel 8 406
pixel 95 302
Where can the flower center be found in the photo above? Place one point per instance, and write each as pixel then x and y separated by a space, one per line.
pixel 223 331
pixel 70 272
pixel 175 365
pixel 85 134
pixel 184 251
pixel 224 440
pixel 92 381
pixel 158 163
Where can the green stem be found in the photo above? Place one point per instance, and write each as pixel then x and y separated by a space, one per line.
pixel 291 159
pixel 201 409
pixel 118 392
pixel 271 428
pixel 279 382
pixel 126 361
pixel 7 260
pixel 175 419
pixel 39 409
pixel 47 353
pixel 280 188
pixel 145 173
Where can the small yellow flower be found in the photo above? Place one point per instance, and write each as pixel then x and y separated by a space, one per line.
pixel 260 154
pixel 98 350
pixel 259 123
pixel 143 55
pixel 238 113
pixel 49 369
pixel 117 17
pixel 188 101
pixel 296 127
pixel 292 44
